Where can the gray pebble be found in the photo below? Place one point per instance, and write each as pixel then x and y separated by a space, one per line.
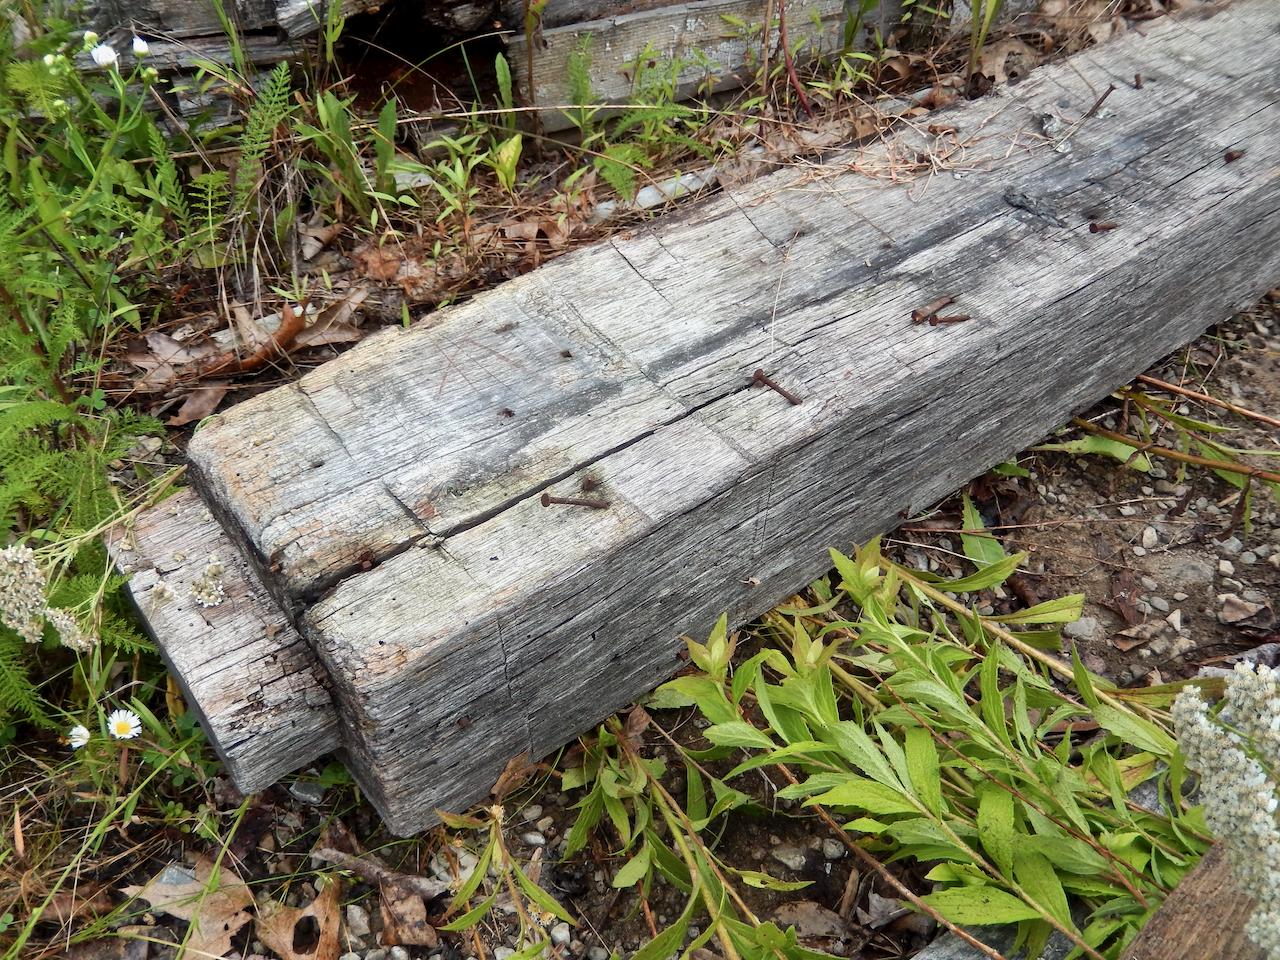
pixel 1142 607
pixel 532 812
pixel 534 839
pixel 1150 539
pixel 1157 473
pixel 1128 511
pixel 833 849
pixel 398 953
pixel 1263 551
pixel 1139 552
pixel 1082 629
pixel 597 953
pixel 501 953
pixel 350 956
pixel 1148 491
pixel 1226 568
pixel 560 933
pixel 1165 487
pixel 793 858
pixel 1179 596
pixel 376 954
pixel 1161 604
pixel 545 824
pixel 1230 547
pixel 1248 557
pixel 1148 583
pixel 357 920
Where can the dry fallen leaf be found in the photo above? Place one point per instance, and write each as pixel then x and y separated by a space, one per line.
pixel 278 927
pixel 515 773
pixel 202 402
pixel 404 915
pixel 1006 59
pixel 1139 634
pixel 216 912
pixel 810 919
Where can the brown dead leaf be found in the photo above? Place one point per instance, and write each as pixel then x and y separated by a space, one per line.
pixel 377 263
pixel 1139 634
pixel 520 230
pixel 514 774
pixel 202 402
pixel 637 723
pixel 216 911
pixel 281 927
pixel 809 918
pixel 333 324
pixel 164 349
pixel 339 846
pixel 86 900
pixel 1124 595
pixel 404 916
pixel 1010 58
pixel 315 235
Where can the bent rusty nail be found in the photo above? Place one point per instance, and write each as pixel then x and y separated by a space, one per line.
pixel 760 378
pixel 920 316
pixel 548 500
pixel 1100 227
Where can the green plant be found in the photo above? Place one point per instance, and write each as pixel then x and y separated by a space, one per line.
pixel 903 728
pixel 983 15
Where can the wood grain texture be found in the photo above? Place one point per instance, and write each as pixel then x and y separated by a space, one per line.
pixel 1202 919
pixel 670 33
pixel 301 18
pixel 631 361
pixel 243 668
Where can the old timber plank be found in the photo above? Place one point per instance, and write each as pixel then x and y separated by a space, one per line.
pixel 489 624
pixel 666 36
pixel 242 666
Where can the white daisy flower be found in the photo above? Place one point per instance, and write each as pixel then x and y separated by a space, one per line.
pixel 140 47
pixel 124 724
pixel 78 737
pixel 104 55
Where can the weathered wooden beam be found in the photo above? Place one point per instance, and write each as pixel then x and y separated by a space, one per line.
pixel 699 38
pixel 391 499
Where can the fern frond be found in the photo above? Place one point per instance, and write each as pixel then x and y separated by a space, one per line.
pixel 167 184
pixel 18 694
pixel 267 113
pixel 37 85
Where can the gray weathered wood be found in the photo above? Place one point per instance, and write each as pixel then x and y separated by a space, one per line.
pixel 490 625
pixel 671 34
pixel 242 666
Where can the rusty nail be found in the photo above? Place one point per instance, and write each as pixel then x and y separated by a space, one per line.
pixel 1100 227
pixel 759 377
pixel 548 500
pixel 1137 81
pixel 567 354
pixel 1098 103
pixel 920 316
pixel 1231 156
pixel 589 483
pixel 958 318
pixel 464 722
pixel 506 413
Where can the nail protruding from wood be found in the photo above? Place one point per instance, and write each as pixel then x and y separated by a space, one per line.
pixel 1231 156
pixel 923 314
pixel 1137 81
pixel 760 378
pixel 1101 227
pixel 548 500
pixel 1098 103
pixel 589 483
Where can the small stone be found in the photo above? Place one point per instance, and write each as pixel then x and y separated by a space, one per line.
pixel 793 858
pixel 1128 511
pixel 833 849
pixel 1082 629
pixel 1148 491
pixel 398 953
pixel 1157 472
pixel 534 839
pixel 1230 547
pixel 545 824
pixel 357 920
pixel 1150 539
pixel 1139 552
pixel 531 813
pixel 1248 557
pixel 1165 487
pixel 1148 583
pixel 1274 560
pixel 597 953
pixel 1175 620
pixel 1160 603
pixel 1182 645
pixel 350 956
pixel 501 953
pixel 560 934
pixel 1226 568
pixel 1143 607
pixel 1180 596
pixel 377 953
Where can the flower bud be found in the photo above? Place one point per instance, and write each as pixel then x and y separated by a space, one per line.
pixel 104 55
pixel 140 47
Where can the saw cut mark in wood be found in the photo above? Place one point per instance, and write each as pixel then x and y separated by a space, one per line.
pixel 392 499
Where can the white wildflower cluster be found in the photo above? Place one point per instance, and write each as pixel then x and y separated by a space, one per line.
pixel 209 590
pixel 22 604
pixel 1239 797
